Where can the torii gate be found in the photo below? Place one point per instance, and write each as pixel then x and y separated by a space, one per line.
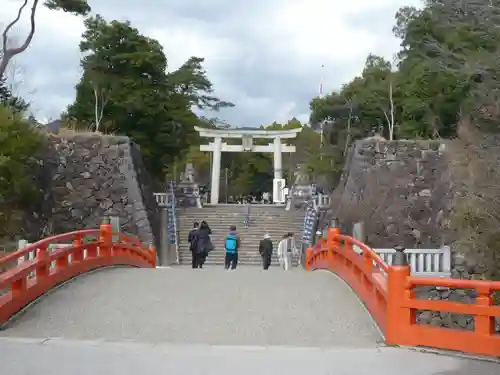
pixel 277 148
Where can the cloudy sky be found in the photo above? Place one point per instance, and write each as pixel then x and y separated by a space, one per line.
pixel 263 55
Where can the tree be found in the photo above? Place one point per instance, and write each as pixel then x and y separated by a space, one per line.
pixel 19 142
pixel 124 89
pixel 363 106
pixel 446 86
pixel 7 99
pixel 79 7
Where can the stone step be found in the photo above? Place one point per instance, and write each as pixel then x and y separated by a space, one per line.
pixel 257 221
pixel 222 231
pixel 219 258
pixel 235 207
pixel 240 223
pixel 263 219
pixel 229 213
pixel 243 256
pixel 241 229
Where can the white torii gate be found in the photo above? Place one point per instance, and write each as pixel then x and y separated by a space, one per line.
pixel 277 148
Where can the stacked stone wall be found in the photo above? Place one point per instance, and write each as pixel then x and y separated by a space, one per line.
pixel 402 191
pixel 91 176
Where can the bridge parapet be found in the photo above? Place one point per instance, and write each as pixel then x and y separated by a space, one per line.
pixel 62 257
pixel 389 293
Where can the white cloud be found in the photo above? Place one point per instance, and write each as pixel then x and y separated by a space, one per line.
pixel 263 55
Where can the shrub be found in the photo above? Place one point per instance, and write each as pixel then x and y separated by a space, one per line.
pixel 19 143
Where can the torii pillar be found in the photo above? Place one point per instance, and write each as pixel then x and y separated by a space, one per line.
pixel 277 148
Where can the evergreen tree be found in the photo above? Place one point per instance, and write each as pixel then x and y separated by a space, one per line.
pixel 16 104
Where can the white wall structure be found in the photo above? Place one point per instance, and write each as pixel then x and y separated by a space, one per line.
pixel 217 146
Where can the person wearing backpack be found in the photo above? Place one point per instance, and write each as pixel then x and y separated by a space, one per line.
pixel 232 244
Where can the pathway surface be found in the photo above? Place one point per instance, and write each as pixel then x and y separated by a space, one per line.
pixel 63 357
pixel 211 321
pixel 211 306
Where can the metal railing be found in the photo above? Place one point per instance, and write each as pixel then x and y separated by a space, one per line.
pixel 174 222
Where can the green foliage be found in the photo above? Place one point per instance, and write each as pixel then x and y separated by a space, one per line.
pixel 7 99
pixel 19 142
pixel 432 84
pixel 79 7
pixel 448 67
pixel 126 90
pixel 446 86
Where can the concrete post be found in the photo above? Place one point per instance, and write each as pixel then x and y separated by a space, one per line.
pixel 400 258
pixel 164 249
pixel 115 223
pixel 278 161
pixel 214 193
pixel 334 222
pixel 163 252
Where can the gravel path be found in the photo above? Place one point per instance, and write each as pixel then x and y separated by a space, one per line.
pixel 210 306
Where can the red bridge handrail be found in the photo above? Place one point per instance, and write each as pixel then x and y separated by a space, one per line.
pixel 388 293
pixel 47 241
pixel 27 280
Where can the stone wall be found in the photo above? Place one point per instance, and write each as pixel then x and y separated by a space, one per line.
pixel 399 189
pixel 90 176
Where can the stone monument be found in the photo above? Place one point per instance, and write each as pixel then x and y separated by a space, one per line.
pixel 302 188
pixel 187 190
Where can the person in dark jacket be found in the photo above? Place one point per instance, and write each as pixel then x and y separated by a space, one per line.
pixel 266 251
pixel 193 240
pixel 204 244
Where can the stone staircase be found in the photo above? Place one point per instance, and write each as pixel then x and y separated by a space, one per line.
pixel 270 219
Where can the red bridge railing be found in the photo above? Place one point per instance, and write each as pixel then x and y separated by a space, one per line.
pixel 60 258
pixel 389 294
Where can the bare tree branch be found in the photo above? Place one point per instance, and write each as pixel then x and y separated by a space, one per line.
pixel 101 97
pixel 391 123
pixel 9 53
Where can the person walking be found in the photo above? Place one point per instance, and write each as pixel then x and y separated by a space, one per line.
pixel 266 251
pixel 285 249
pixel 232 244
pixel 246 208
pixel 193 240
pixel 203 245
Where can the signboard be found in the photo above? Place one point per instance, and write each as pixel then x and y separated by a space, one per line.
pixel 278 193
pixel 172 238
pixel 309 226
pixel 172 228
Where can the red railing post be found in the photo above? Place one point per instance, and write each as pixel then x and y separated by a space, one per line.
pixel 19 286
pixel 42 255
pixel 105 237
pixel 333 243
pixel 152 254
pixel 307 262
pixel 398 318
pixel 484 325
pixel 62 262
pixel 77 254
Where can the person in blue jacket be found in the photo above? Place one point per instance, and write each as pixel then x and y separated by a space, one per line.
pixel 232 244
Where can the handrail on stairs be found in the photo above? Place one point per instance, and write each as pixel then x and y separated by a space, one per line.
pixel 174 222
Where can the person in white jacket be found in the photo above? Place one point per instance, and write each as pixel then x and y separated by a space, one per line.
pixel 286 250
